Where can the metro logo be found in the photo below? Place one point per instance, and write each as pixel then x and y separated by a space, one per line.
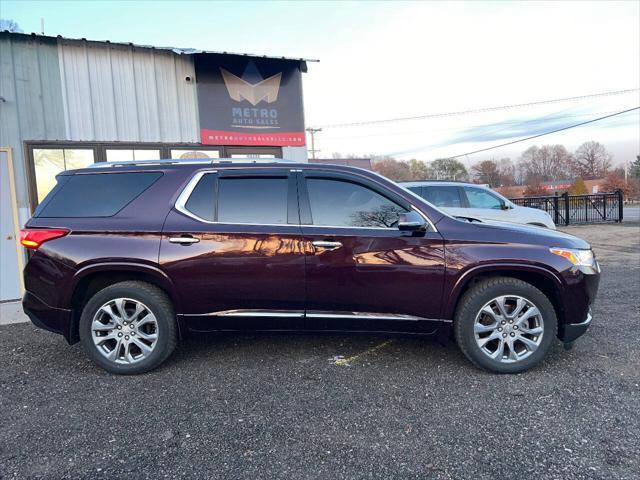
pixel 240 89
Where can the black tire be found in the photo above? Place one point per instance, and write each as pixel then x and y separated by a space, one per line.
pixel 156 301
pixel 481 293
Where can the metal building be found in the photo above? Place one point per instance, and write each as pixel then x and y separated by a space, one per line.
pixel 67 103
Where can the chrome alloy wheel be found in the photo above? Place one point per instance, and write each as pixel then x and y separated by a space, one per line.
pixel 124 330
pixel 508 328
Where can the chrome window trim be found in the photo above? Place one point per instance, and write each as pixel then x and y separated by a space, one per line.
pixel 183 198
pixel 426 218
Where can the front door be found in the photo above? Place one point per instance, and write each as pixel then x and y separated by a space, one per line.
pixel 362 272
pixel 485 205
pixel 233 249
pixel 9 253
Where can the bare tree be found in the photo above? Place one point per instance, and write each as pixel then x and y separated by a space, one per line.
pixel 591 160
pixel 546 163
pixel 9 25
pixel 392 169
pixel 487 172
pixel 419 169
pixel 448 169
pixel 507 172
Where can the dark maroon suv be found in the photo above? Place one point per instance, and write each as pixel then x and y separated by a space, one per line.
pixel 128 258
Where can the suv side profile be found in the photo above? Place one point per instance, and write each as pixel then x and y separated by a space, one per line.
pixel 474 201
pixel 130 258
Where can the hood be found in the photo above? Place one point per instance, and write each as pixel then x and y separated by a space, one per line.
pixel 499 232
pixel 533 234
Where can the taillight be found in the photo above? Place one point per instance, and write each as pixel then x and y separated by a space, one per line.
pixel 34 237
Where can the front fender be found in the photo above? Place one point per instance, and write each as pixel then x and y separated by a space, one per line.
pixel 458 283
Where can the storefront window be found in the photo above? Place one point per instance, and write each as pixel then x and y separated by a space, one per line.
pixel 124 155
pixel 51 161
pixel 182 153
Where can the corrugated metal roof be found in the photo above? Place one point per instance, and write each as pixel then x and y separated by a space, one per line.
pixel 177 50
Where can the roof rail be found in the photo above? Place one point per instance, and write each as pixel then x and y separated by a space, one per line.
pixel 188 161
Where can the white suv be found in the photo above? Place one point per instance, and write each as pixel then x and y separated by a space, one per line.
pixel 476 201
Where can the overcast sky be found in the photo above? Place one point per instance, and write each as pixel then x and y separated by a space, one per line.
pixel 388 60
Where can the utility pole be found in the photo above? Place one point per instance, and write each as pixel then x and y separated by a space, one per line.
pixel 312 132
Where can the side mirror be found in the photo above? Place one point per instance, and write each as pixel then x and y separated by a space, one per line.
pixel 504 205
pixel 411 222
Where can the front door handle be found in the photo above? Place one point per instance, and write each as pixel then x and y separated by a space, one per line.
pixel 184 240
pixel 326 244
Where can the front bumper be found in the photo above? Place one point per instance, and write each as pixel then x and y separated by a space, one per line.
pixel 570 331
pixel 55 320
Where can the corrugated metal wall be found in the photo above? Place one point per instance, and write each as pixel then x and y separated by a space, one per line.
pixel 126 93
pixel 31 106
pixel 77 90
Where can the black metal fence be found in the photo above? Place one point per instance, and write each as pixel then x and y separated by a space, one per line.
pixel 566 209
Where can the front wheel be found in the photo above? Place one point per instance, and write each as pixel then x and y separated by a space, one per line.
pixel 505 325
pixel 128 327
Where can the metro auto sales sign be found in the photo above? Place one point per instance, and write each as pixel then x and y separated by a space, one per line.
pixel 249 101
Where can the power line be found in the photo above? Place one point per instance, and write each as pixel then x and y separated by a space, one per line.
pixel 500 124
pixel 546 133
pixel 481 110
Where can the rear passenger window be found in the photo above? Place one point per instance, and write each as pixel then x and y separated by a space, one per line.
pixel 253 200
pixel 201 200
pixel 95 195
pixel 445 196
pixel 345 204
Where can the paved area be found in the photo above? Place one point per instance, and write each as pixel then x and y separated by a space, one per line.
pixel 11 312
pixel 296 406
pixel 631 214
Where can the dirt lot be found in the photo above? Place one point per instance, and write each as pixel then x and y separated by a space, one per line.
pixel 258 406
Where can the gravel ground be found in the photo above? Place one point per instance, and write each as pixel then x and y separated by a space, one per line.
pixel 259 406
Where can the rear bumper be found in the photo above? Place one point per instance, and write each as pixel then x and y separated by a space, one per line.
pixel 55 320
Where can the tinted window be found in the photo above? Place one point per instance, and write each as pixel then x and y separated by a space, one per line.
pixel 201 200
pixel 481 198
pixel 95 195
pixel 252 200
pixel 443 196
pixel 346 204
pixel 416 190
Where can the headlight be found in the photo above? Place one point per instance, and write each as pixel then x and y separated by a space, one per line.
pixel 581 258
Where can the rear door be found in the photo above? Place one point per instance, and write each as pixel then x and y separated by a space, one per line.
pixel 362 272
pixel 233 248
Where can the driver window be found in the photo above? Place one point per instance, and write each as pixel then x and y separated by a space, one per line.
pixel 346 204
pixel 480 198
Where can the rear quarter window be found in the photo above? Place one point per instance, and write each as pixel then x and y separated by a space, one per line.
pixel 94 195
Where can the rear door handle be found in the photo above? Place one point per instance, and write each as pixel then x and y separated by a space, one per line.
pixel 326 244
pixel 184 240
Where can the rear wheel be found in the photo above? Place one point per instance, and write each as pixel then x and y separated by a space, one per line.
pixel 128 327
pixel 505 325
